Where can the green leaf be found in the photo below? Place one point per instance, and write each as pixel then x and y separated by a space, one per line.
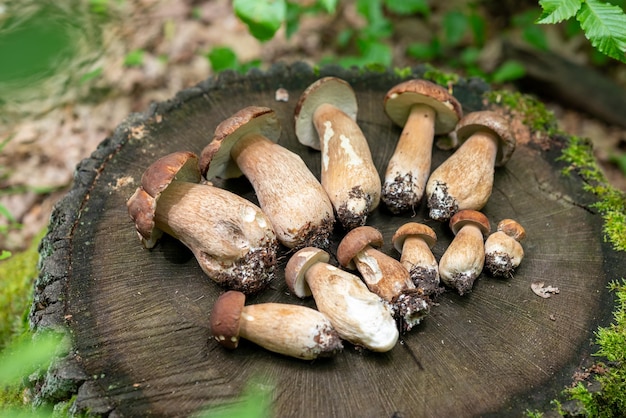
pixel 5 254
pixel 223 58
pixel 263 17
pixel 509 70
pixel 455 24
pixel 479 29
pixel 536 37
pixel 329 5
pixel 134 58
pixel 408 7
pixel 604 25
pixel 555 11
pixel 424 51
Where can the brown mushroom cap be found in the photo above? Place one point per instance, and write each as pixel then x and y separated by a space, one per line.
pixel 330 90
pixel 179 166
pixel 400 98
pixel 491 121
pixel 469 216
pixel 297 267
pixel 512 228
pixel 215 160
pixel 413 229
pixel 225 318
pixel 355 241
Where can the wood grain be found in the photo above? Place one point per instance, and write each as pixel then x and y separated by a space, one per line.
pixel 139 318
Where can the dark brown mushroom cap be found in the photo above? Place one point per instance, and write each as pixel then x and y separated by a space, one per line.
pixel 400 98
pixel 179 166
pixel 491 121
pixel 297 267
pixel 329 90
pixel 225 318
pixel 355 241
pixel 422 231
pixel 469 216
pixel 216 160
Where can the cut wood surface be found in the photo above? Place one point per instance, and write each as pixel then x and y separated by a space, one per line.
pixel 139 318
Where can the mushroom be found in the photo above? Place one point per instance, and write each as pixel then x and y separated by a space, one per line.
pixel 414 242
pixel 383 275
pixel 289 194
pixel 231 238
pixel 292 330
pixel 325 119
pixel 503 251
pixel 465 179
pixel 463 260
pixel 424 109
pixel 358 315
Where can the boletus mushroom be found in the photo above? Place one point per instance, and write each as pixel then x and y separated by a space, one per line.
pixel 414 241
pixel 383 275
pixel 465 179
pixel 423 109
pixel 359 316
pixel 503 248
pixel 325 119
pixel 292 330
pixel 464 259
pixel 290 195
pixel 231 238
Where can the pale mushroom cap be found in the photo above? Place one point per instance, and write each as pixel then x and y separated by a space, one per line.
pixel 216 160
pixel 512 228
pixel 330 90
pixel 491 121
pixel 179 166
pixel 355 241
pixel 225 319
pixel 400 98
pixel 423 231
pixel 297 267
pixel 468 216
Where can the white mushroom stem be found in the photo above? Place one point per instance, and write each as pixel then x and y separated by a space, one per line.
pixel 348 173
pixel 503 250
pixel 293 330
pixel 289 194
pixel 382 274
pixel 463 260
pixel 421 264
pixel 409 166
pixel 465 179
pixel 229 236
pixel 358 315
pixel 212 221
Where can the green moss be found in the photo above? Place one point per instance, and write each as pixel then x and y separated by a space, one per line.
pixel 533 112
pixel 611 202
pixel 18 274
pixel 608 402
pixel 440 77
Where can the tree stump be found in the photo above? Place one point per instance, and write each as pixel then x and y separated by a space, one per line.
pixel 139 318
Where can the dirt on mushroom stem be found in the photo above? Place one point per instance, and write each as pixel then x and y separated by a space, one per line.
pixel 346 213
pixel 427 280
pixel 499 264
pixel 399 195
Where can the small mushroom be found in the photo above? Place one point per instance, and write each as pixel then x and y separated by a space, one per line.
pixel 463 260
pixel 383 275
pixel 414 241
pixel 503 250
pixel 325 119
pixel 465 179
pixel 231 238
pixel 292 330
pixel 358 315
pixel 289 194
pixel 423 109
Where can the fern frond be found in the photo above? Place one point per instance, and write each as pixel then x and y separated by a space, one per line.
pixel 605 26
pixel 555 11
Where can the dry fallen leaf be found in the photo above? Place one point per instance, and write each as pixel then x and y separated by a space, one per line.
pixel 544 292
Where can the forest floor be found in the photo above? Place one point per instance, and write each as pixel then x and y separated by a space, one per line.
pixel 50 126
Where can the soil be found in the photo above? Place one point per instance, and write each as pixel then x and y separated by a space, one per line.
pixel 51 125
